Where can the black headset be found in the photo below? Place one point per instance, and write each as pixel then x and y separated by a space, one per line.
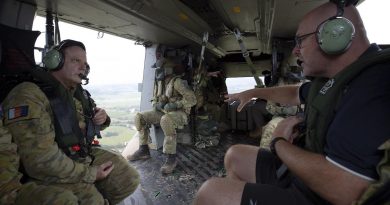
pixel 334 35
pixel 55 57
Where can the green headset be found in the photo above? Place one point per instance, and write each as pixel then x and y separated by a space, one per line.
pixel 55 57
pixel 334 35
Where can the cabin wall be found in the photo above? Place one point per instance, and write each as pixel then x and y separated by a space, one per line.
pixel 17 14
pixel 146 89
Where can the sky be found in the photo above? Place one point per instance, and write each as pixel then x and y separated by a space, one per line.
pixel 115 60
pixel 375 14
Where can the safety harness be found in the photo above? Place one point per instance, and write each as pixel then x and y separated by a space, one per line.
pixel 68 134
pixel 17 65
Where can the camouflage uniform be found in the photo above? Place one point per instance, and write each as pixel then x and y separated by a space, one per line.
pixel 290 71
pixel 279 112
pixel 11 189
pixel 383 169
pixel 45 163
pixel 9 161
pixel 176 91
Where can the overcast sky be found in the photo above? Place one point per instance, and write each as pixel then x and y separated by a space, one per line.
pixel 375 15
pixel 116 60
pixel 113 60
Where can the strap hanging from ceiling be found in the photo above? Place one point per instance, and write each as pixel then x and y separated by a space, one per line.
pixel 248 60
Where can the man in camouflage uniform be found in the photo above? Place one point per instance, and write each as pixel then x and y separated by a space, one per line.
pixel 12 191
pixel 94 175
pixel 172 103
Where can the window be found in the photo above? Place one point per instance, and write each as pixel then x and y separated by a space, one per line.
pixel 235 85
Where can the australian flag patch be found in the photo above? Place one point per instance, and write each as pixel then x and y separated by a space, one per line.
pixel 17 112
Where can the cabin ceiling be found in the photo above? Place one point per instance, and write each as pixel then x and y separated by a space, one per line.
pixel 183 22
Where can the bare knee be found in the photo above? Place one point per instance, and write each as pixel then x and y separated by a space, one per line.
pixel 231 156
pixel 204 195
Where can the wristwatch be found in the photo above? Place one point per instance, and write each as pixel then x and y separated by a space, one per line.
pixel 272 144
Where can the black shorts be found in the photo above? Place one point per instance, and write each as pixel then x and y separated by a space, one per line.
pixel 268 189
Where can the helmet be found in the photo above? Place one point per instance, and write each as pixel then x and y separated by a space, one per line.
pixel 166 66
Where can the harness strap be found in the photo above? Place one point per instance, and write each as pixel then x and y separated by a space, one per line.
pixel 248 60
pixel 68 132
pixel 88 105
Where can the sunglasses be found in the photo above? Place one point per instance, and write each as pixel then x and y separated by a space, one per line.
pixel 299 39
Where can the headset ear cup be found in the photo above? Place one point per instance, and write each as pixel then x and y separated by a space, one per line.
pixel 53 60
pixel 335 35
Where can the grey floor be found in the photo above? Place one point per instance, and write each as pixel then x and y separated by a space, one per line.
pixel 194 167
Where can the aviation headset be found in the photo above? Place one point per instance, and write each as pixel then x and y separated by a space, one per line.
pixel 334 35
pixel 55 57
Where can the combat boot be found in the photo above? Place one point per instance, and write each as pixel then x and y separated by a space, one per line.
pixel 169 165
pixel 141 153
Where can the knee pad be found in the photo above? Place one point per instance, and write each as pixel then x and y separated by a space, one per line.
pixel 166 121
pixel 167 125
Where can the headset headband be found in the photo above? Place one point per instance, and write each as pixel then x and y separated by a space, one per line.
pixel 69 43
pixel 340 8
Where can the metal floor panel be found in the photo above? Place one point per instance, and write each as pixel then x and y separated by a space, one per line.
pixel 193 168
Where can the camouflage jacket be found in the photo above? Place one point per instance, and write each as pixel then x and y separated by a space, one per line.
pixel 29 118
pixel 178 91
pixel 383 168
pixel 9 161
pixel 279 110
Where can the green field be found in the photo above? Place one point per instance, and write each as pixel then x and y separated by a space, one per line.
pixel 121 102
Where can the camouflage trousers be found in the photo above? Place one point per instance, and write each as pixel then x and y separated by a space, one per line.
pixel 169 122
pixel 120 183
pixel 268 131
pixel 32 193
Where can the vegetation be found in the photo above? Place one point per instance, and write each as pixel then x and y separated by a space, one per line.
pixel 121 102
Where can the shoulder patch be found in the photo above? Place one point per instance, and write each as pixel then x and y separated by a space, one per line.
pixel 16 112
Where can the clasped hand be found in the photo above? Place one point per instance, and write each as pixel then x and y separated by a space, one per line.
pixel 100 116
pixel 104 170
pixel 169 107
pixel 286 128
pixel 159 106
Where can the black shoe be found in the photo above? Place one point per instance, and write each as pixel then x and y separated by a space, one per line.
pixel 169 165
pixel 141 153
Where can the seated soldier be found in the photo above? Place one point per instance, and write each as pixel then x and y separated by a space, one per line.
pixel 54 144
pixel 12 191
pixel 291 75
pixel 210 116
pixel 172 102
